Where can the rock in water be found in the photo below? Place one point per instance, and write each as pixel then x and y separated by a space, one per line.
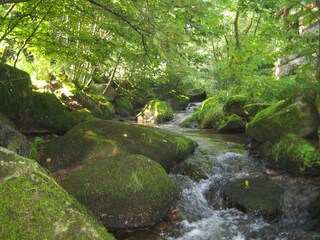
pixel 126 191
pixel 34 206
pixel 254 195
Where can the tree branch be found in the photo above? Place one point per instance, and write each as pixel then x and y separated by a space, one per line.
pixel 12 1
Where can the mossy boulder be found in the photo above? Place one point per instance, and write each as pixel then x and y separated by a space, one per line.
pixel 234 105
pixel 156 111
pixel 4 119
pixel 48 111
pixel 82 115
pixel 126 191
pixel 210 113
pixel 123 107
pixel 253 108
pixel 298 116
pixel 232 124
pixel 34 206
pixel 99 105
pixel 191 121
pixel 254 195
pixel 13 140
pixel 294 154
pixel 98 139
pixel 15 91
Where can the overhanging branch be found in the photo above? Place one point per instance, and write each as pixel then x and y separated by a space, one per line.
pixel 12 1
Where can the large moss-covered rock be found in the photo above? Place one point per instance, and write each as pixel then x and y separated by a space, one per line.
pixel 15 91
pixel 298 116
pixel 210 113
pixel 34 206
pixel 13 140
pixel 49 112
pixel 124 107
pixel 296 155
pixel 254 195
pixel 234 105
pixel 98 139
pixel 232 124
pixel 155 111
pixel 125 191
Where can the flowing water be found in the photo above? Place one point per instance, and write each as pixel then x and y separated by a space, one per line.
pixel 223 158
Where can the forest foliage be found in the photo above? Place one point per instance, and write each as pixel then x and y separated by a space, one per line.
pixel 147 49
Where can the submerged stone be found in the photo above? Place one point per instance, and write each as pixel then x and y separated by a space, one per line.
pixel 254 195
pixel 126 191
pixel 34 206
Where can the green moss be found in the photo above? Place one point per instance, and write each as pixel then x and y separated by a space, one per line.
pixel 82 115
pixel 124 106
pixel 15 91
pixel 97 139
pixel 48 111
pixel 234 105
pixel 210 113
pixel 231 124
pixel 34 206
pixel 251 110
pixel 191 120
pixel 294 154
pixel 282 118
pixel 125 191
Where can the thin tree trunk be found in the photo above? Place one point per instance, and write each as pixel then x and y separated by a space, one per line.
pixel 236 29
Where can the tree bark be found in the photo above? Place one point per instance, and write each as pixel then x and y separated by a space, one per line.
pixel 236 29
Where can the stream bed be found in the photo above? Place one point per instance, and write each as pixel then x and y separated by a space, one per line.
pixel 221 159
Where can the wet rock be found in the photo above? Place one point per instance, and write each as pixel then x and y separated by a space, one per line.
pixel 13 140
pixel 232 124
pixel 298 116
pixel 34 206
pixel 314 210
pixel 127 191
pixel 15 92
pixel 193 171
pixel 294 154
pixel 93 140
pixel 155 111
pixel 254 195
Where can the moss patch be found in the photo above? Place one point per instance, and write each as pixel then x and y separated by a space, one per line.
pixel 296 155
pixel 295 116
pixel 49 112
pixel 210 113
pixel 124 107
pixel 252 109
pixel 232 124
pixel 98 139
pixel 15 91
pixel 34 206
pixel 123 191
pixel 191 121
pixel 234 105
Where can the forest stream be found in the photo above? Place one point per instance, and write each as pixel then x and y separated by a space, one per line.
pixel 223 158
